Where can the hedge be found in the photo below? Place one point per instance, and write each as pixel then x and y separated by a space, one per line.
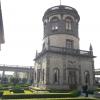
pixel 50 95
pixel 17 90
pixel 30 97
pixel 81 98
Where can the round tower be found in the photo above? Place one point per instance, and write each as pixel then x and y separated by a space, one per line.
pixel 61 27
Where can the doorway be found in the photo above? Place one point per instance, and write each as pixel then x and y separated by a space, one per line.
pixel 72 79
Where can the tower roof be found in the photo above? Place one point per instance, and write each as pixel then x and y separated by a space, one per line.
pixel 61 9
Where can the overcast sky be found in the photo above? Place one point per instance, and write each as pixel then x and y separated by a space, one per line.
pixel 23 28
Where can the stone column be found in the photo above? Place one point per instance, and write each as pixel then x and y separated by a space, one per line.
pixel 16 74
pixel 28 77
pixel 3 75
pixel 47 76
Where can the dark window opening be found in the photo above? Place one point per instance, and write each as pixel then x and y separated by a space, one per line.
pixel 68 24
pixel 87 77
pixel 69 44
pixel 56 76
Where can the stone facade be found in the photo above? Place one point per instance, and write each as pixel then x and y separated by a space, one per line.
pixel 61 64
pixel 1 28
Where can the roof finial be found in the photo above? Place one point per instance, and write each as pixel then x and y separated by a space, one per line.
pixel 60 2
pixel 91 47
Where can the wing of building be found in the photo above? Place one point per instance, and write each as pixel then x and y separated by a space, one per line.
pixel 1 28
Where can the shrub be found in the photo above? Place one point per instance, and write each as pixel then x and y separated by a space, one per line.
pixel 91 91
pixel 6 92
pixel 1 93
pixel 75 93
pixel 58 91
pixel 97 89
pixel 5 85
pixel 17 90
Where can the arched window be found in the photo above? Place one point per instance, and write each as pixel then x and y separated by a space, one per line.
pixel 68 23
pixel 54 19
pixel 87 77
pixel 54 22
pixel 65 74
pixel 56 76
pixel 45 21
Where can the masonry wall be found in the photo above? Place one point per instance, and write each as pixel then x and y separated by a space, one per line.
pixel 81 64
pixel 59 40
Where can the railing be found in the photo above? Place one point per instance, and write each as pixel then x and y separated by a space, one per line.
pixel 62 50
pixel 69 51
pixel 15 66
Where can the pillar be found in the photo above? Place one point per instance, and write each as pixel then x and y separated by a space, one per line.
pixel 3 75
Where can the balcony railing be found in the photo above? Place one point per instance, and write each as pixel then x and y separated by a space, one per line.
pixel 62 50
pixel 69 51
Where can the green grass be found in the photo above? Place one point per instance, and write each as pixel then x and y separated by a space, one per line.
pixel 28 92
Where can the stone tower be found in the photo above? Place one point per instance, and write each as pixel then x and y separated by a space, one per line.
pixel 61 64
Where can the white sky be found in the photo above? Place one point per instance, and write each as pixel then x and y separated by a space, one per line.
pixel 23 28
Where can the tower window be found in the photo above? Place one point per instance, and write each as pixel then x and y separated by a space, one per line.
pixel 69 44
pixel 68 24
pixel 56 76
pixel 54 26
pixel 54 21
pixel 45 21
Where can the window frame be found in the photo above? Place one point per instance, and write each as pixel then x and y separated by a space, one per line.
pixel 69 44
pixel 54 21
pixel 87 77
pixel 56 75
pixel 68 21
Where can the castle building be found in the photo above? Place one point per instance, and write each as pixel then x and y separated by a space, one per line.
pixel 61 64
pixel 1 28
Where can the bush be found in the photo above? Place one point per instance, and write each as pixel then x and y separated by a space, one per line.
pixel 6 92
pixel 5 85
pixel 97 89
pixel 1 93
pixel 75 93
pixel 58 91
pixel 17 90
pixel 90 91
